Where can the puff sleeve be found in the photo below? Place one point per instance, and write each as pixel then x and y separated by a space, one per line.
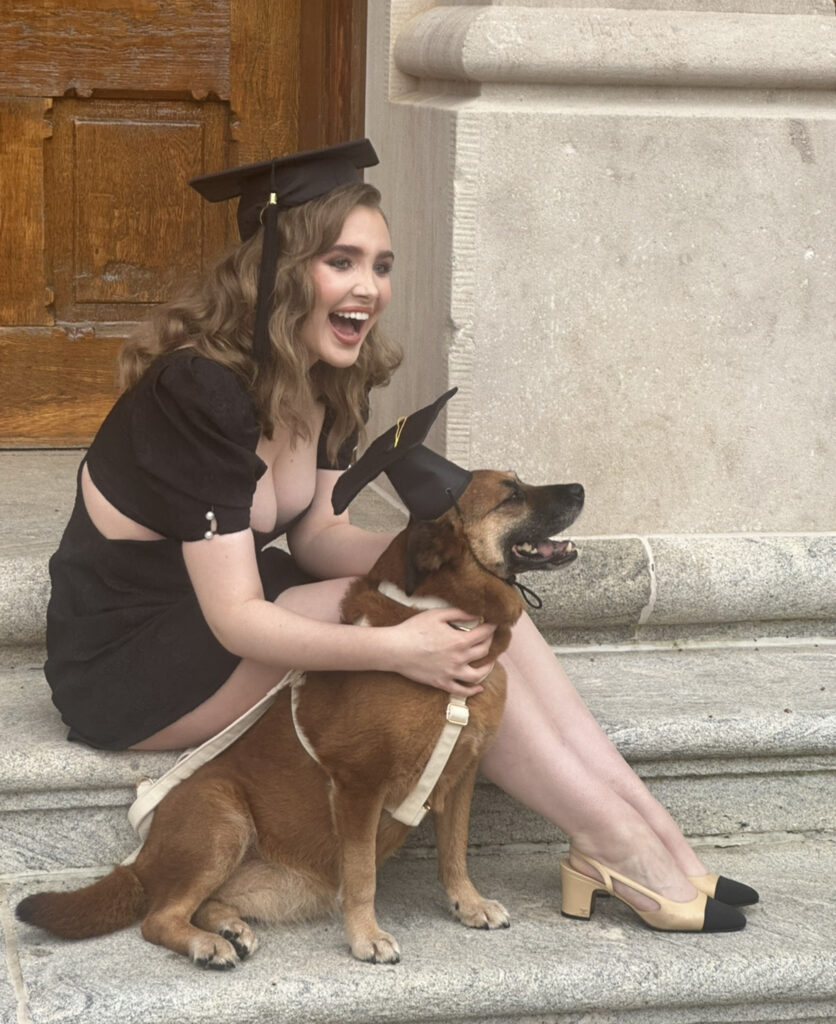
pixel 183 445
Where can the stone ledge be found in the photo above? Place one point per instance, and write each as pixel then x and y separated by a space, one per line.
pixel 731 741
pixel 545 968
pixel 657 705
pixel 661 583
pixel 544 45
pixel 620 587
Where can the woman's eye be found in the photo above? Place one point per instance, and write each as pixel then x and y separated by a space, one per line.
pixel 383 269
pixel 340 262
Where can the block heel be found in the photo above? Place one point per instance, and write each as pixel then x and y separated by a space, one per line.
pixel 577 893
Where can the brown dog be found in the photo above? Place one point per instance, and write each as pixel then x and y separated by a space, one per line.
pixel 272 832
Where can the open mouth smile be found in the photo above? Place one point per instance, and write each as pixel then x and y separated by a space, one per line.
pixel 545 554
pixel 348 325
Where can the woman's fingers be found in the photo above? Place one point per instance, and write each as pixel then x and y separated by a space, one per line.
pixel 447 658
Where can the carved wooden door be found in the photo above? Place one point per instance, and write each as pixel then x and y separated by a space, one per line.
pixel 106 111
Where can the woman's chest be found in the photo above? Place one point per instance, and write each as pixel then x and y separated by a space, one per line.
pixel 288 484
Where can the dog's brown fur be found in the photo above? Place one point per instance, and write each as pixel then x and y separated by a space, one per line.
pixel 265 832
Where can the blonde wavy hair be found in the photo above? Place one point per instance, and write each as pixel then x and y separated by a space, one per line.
pixel 216 317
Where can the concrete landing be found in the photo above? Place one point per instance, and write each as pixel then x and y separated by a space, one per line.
pixel 545 968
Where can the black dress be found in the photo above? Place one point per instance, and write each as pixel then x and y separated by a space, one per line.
pixel 128 649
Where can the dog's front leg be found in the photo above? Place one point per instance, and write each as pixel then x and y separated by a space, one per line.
pixel 356 818
pixel 451 830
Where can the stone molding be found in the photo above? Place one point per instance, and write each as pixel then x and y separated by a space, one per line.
pixel 657 588
pixel 593 46
pixel 691 587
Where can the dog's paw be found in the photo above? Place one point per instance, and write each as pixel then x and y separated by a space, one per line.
pixel 482 913
pixel 377 949
pixel 213 952
pixel 242 937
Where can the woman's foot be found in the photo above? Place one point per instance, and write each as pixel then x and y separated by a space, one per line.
pixel 642 858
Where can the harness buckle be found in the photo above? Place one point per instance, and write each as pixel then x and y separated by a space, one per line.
pixel 457 713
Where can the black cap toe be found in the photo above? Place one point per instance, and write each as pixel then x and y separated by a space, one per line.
pixel 719 917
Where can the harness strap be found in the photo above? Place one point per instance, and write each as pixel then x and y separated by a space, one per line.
pixel 300 732
pixel 151 792
pixel 411 811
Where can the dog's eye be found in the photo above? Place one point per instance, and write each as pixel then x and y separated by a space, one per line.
pixel 513 497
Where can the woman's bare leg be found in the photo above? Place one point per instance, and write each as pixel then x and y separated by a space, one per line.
pixel 251 679
pixel 552 755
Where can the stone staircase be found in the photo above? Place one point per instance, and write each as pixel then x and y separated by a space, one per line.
pixel 733 727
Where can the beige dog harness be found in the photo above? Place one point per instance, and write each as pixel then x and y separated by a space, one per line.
pixel 412 810
pixel 149 792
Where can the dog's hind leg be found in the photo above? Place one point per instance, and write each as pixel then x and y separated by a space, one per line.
pixel 451 829
pixel 267 891
pixel 184 862
pixel 356 817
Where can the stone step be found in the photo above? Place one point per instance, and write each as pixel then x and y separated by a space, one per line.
pixel 732 740
pixel 544 969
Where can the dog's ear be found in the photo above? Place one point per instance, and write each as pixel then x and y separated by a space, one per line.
pixel 428 546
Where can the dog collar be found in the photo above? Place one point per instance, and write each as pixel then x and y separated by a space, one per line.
pixel 423 603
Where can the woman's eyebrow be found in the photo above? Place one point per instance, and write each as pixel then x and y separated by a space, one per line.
pixel 356 250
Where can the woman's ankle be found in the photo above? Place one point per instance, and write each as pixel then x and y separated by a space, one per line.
pixel 643 860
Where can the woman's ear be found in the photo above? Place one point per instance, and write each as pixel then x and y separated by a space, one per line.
pixel 428 546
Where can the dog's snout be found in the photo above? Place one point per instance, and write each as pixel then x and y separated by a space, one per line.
pixel 575 491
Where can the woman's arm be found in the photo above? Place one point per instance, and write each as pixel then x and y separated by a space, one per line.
pixel 327 545
pixel 224 574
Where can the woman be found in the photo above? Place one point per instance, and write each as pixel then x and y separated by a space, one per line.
pixel 242 404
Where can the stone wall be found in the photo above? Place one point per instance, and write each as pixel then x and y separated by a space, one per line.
pixel 615 230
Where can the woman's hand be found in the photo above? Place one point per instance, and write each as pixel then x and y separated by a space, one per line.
pixel 428 649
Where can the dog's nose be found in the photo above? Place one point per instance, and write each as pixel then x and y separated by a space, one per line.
pixel 575 490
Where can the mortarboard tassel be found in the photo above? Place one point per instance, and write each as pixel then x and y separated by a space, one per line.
pixel 266 277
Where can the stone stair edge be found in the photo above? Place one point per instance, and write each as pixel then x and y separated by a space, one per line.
pixel 545 968
pixel 783 710
pixel 750 586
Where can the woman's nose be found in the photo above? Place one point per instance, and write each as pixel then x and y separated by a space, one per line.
pixel 366 283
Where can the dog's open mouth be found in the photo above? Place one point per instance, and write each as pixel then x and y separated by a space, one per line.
pixel 546 554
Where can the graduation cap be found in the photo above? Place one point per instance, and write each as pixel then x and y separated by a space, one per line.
pixel 265 188
pixel 427 483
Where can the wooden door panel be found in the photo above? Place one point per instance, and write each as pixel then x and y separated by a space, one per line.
pixel 23 296
pixel 78 47
pixel 123 229
pixel 58 383
pixel 107 108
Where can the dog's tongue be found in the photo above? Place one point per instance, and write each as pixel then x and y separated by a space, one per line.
pixel 559 549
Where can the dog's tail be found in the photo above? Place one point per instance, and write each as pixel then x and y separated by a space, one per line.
pixel 113 902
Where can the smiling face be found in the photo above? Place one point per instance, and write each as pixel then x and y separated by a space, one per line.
pixel 351 288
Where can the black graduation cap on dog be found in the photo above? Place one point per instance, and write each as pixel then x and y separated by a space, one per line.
pixel 427 483
pixel 267 187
